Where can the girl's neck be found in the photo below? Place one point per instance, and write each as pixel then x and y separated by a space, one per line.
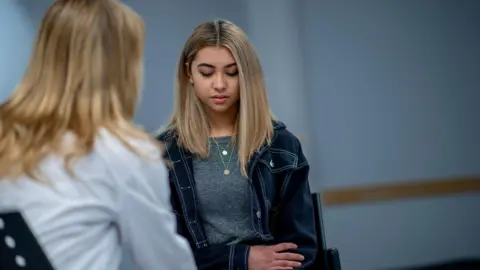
pixel 222 124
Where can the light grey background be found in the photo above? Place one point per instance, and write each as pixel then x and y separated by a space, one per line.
pixel 381 90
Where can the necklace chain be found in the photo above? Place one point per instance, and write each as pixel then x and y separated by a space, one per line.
pixel 226 170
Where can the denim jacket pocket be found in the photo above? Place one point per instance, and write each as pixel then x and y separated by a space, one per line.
pixel 275 166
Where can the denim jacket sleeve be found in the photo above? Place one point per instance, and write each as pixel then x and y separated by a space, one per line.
pixel 222 257
pixel 296 215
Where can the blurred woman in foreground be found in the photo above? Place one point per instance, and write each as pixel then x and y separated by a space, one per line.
pixel 85 179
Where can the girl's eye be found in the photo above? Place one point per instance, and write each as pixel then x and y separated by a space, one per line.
pixel 206 74
pixel 232 74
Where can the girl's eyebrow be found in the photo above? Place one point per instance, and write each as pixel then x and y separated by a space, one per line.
pixel 212 66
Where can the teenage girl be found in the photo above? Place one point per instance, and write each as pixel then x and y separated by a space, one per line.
pixel 239 178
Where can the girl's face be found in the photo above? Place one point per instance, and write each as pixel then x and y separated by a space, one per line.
pixel 214 75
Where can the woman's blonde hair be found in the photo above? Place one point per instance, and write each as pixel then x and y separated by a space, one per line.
pixel 254 121
pixel 84 74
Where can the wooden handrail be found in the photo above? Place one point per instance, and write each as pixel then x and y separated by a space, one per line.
pixel 397 191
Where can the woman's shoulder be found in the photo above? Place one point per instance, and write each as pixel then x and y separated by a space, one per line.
pixel 165 134
pixel 129 150
pixel 284 138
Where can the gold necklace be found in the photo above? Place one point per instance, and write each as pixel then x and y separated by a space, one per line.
pixel 224 152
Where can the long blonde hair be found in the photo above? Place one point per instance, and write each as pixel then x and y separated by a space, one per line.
pixel 254 120
pixel 84 74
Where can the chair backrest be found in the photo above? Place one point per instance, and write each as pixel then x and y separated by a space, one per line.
pixel 321 261
pixel 19 248
pixel 327 258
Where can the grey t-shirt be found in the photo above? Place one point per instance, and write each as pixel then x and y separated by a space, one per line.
pixel 224 199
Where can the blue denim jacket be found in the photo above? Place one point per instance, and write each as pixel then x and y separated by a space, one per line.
pixel 282 208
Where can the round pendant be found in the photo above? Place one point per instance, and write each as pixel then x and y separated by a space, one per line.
pixel 224 152
pixel 226 172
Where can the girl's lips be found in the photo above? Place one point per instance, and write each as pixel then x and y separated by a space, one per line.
pixel 219 100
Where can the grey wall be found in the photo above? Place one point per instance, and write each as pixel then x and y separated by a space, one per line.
pixel 16 31
pixel 394 89
pixel 395 84
pixel 382 91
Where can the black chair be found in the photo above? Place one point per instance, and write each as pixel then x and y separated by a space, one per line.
pixel 19 248
pixel 327 258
